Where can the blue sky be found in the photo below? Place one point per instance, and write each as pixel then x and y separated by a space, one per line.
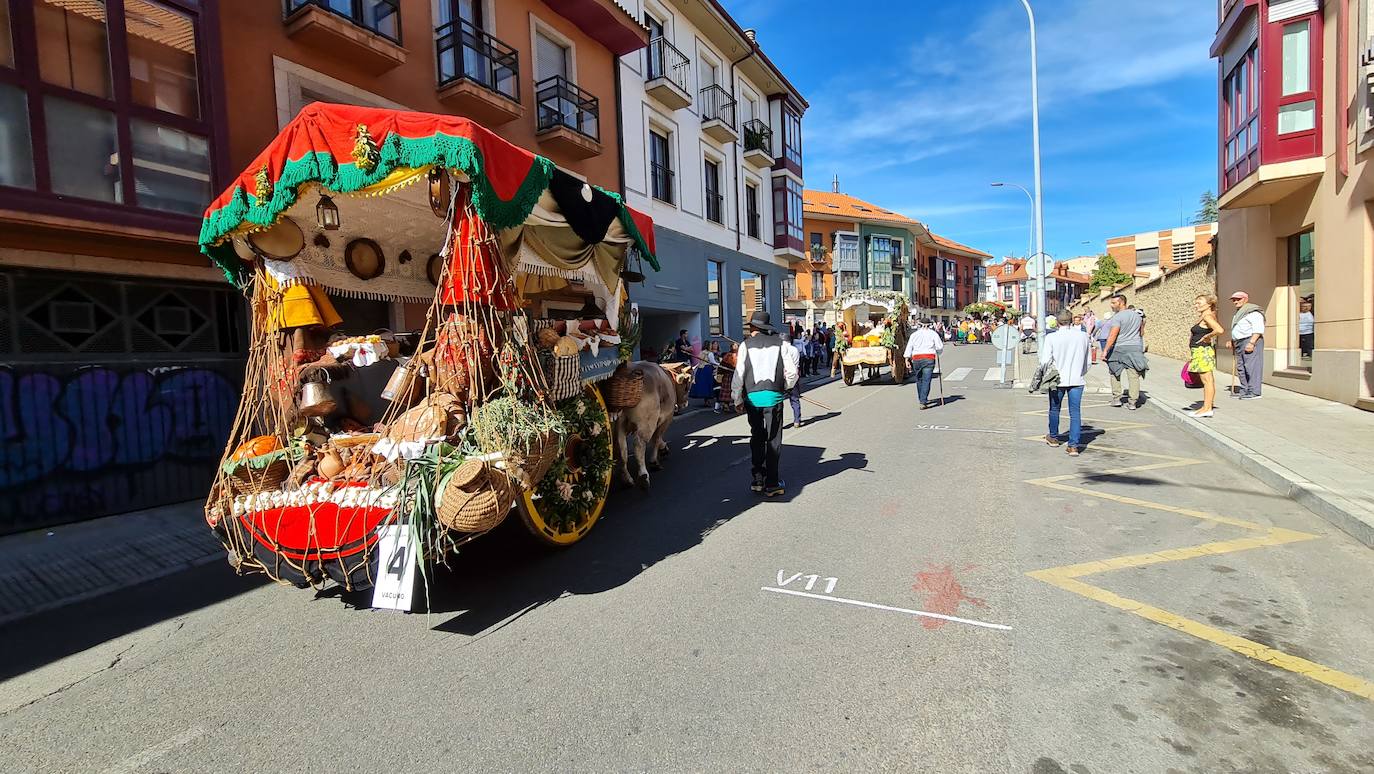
pixel 918 105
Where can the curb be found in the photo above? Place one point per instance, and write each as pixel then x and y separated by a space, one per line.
pixel 1341 513
pixel 110 588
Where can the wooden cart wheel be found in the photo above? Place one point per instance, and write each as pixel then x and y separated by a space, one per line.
pixel 849 372
pixel 562 530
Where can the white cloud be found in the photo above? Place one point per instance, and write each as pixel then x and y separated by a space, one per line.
pixel 950 88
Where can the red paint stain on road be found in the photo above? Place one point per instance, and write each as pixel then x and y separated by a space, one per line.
pixel 944 593
pixel 889 509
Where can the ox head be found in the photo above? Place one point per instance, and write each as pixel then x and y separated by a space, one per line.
pixel 681 375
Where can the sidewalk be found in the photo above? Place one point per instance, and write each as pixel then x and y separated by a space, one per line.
pixel 1319 453
pixel 51 567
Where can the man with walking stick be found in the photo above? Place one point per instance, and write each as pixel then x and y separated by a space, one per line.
pixel 923 350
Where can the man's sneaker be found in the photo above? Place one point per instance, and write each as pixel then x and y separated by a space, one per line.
pixel 1132 406
pixel 757 486
pixel 1052 441
pixel 775 490
pixel 1249 397
pixel 1073 451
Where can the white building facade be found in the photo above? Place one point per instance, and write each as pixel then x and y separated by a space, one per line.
pixel 712 151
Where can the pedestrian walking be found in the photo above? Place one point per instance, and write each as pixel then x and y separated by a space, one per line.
pixel 922 349
pixel 766 370
pixel 1202 351
pixel 1067 349
pixel 1125 352
pixel 682 347
pixel 794 394
pixel 1247 341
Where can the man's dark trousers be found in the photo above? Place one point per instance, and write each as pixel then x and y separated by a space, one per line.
pixel 925 371
pixel 765 440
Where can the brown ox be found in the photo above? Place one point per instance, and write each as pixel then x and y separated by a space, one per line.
pixel 665 392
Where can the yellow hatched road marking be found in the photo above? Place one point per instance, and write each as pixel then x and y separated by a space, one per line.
pixel 1067 576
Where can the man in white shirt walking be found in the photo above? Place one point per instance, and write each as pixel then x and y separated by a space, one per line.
pixel 923 349
pixel 1068 348
pixel 1247 341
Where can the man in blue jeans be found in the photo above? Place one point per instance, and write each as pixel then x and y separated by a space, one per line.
pixel 922 350
pixel 1069 349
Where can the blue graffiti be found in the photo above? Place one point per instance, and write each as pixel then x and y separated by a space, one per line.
pixel 98 420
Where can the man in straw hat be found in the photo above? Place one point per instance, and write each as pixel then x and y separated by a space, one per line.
pixel 766 371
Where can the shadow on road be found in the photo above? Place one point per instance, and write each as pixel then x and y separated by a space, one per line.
pixel 704 486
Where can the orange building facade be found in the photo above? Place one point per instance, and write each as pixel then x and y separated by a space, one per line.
pixel 122 348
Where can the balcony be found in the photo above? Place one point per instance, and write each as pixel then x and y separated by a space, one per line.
pixel 665 79
pixel 366 33
pixel 715 207
pixel 758 144
pixel 568 118
pixel 1272 183
pixel 718 114
pixel 478 75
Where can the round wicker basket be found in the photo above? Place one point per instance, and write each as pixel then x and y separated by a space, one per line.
pixel 475 498
pixel 624 389
pixel 249 480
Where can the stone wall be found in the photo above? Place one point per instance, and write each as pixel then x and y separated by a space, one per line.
pixel 1167 301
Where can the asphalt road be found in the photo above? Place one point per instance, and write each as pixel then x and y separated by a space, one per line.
pixel 934 593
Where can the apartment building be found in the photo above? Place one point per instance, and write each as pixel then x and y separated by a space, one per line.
pixel 949 275
pixel 713 152
pixel 123 349
pixel 1152 252
pixel 1010 284
pixel 869 247
pixel 1296 126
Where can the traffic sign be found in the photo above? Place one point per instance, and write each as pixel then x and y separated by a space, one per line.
pixel 1039 265
pixel 1004 338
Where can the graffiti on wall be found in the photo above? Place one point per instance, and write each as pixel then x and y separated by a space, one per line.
pixel 97 440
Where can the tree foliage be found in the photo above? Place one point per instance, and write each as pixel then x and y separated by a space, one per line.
pixel 1108 274
pixel 1207 211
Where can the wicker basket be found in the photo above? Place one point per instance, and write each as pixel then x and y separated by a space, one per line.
pixel 249 480
pixel 529 469
pixel 624 389
pixel 564 375
pixel 475 498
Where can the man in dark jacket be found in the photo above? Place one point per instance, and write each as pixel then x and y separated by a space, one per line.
pixel 767 370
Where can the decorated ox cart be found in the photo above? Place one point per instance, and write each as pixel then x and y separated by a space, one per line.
pixel 362 454
pixel 877 322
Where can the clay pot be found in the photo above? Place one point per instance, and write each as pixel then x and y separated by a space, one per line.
pixel 331 464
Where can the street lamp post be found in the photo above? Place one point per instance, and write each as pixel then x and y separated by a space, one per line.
pixel 1030 234
pixel 1039 190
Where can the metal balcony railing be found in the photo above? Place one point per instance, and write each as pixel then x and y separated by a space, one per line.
pixel 715 207
pixel 380 16
pixel 758 137
pixel 561 103
pixel 465 52
pixel 717 105
pixel 661 177
pixel 665 61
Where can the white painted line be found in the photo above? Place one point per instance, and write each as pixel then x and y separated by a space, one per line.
pixel 943 428
pixel 993 374
pixel 959 374
pixel 875 606
pixel 149 754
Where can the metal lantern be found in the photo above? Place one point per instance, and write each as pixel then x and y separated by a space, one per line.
pixel 327 213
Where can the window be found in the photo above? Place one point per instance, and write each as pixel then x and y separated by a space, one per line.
pixel 816 240
pixel 789 285
pixel 715 270
pixel 550 58
pixel 787 211
pixel 751 209
pixel 110 104
pixel 897 255
pixel 1147 257
pixel 660 167
pixel 849 281
pixel 1241 125
pixel 1183 252
pixel 791 135
pixel 1297 104
pixel 817 285
pixel 897 283
pixel 1006 293
pixel 753 294
pixel 879 259
pixel 1302 281
pixel 715 201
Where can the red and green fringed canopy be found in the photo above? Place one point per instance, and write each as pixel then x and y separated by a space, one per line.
pixel 319 147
